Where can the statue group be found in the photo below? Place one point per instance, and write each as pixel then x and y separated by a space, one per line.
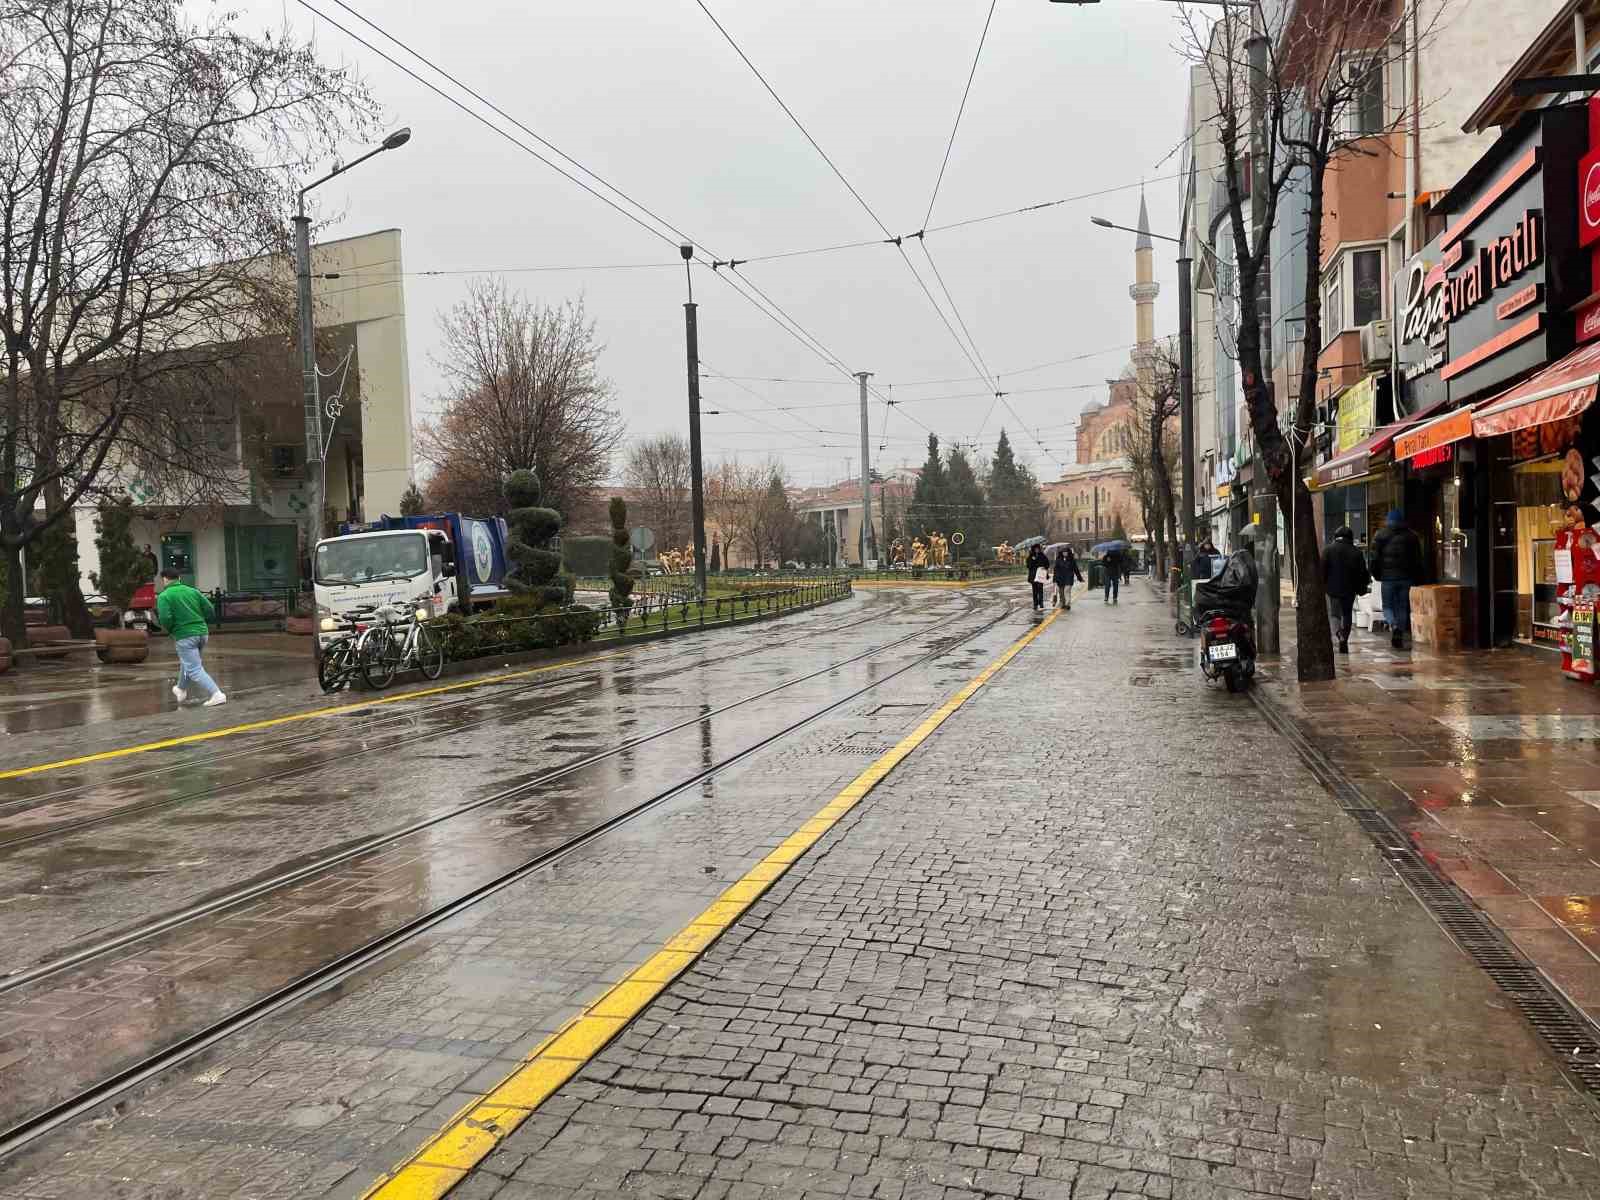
pixel 1005 552
pixel 935 552
pixel 677 562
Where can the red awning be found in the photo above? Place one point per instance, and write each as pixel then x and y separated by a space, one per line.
pixel 1356 461
pixel 1563 389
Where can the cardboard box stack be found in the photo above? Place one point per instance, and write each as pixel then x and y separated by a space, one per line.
pixel 1436 616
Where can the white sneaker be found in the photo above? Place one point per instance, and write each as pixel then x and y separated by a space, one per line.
pixel 179 693
pixel 216 699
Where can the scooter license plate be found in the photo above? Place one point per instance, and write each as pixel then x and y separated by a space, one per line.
pixel 1223 651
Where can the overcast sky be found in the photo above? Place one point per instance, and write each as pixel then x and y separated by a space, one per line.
pixel 1067 100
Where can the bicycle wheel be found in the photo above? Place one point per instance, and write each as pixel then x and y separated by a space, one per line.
pixel 333 668
pixel 430 653
pixel 379 657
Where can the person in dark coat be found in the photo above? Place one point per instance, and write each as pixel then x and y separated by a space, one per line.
pixel 1396 560
pixel 1345 576
pixel 1037 562
pixel 1065 573
pixel 1111 567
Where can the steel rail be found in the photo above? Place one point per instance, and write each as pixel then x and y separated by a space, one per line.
pixel 333 972
pixel 261 887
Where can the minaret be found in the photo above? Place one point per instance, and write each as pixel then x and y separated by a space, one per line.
pixel 1144 292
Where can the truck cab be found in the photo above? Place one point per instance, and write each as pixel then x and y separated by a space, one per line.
pixel 404 567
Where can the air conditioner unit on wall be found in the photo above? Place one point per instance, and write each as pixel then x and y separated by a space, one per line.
pixel 1376 348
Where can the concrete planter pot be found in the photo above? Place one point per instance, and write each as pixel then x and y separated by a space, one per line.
pixel 300 625
pixel 40 638
pixel 5 655
pixel 122 645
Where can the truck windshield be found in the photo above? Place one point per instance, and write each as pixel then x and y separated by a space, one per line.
pixel 370 559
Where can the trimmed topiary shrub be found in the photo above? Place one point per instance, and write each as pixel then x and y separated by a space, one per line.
pixel 624 576
pixel 538 570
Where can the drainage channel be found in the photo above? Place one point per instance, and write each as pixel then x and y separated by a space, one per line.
pixel 1570 1036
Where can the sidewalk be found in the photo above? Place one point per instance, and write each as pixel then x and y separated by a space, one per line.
pixel 1490 761
pixel 989 981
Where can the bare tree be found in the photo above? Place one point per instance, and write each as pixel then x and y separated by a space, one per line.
pixel 657 469
pixel 1292 92
pixel 525 393
pixel 136 208
pixel 1155 454
pixel 750 504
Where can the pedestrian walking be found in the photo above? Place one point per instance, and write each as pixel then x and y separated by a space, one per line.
pixel 1038 575
pixel 1397 565
pixel 1345 576
pixel 1065 574
pixel 186 614
pixel 152 564
pixel 1111 568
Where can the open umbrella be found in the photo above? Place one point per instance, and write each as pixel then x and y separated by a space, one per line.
pixel 1105 548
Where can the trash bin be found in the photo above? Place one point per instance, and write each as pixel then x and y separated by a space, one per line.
pixel 1096 574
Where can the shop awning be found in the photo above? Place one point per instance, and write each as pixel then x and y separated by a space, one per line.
pixel 1431 435
pixel 1563 389
pixel 1360 458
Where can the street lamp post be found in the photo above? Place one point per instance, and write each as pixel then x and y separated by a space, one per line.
pixel 1185 369
pixel 310 389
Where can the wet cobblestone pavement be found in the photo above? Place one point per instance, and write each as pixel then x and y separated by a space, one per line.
pixel 1490 762
pixel 1102 934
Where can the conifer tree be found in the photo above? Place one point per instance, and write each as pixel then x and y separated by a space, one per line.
pixel 538 571
pixel 123 569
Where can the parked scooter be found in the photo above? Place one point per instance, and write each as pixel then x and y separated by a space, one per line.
pixel 1226 604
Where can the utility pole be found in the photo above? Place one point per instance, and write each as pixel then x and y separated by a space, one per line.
pixel 868 550
pixel 1186 397
pixel 697 487
pixel 311 399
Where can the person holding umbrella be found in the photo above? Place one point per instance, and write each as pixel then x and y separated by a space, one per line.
pixel 1038 573
pixel 1111 567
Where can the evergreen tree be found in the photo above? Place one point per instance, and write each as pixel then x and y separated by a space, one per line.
pixel 123 569
pixel 624 576
pixel 411 502
pixel 1016 507
pixel 928 499
pixel 716 556
pixel 966 506
pixel 1118 531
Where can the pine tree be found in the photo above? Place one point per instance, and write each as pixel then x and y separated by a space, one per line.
pixel 123 569
pixel 411 502
pixel 928 498
pixel 968 511
pixel 1016 507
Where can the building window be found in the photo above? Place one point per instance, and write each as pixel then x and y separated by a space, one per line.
pixel 1363 115
pixel 1366 291
pixel 1333 302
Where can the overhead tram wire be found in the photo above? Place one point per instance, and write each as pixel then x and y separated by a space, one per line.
pixel 771 309
pixel 962 108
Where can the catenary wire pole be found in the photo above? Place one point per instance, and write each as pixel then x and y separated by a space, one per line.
pixel 868 550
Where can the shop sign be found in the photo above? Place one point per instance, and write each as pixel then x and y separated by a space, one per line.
pixel 1434 435
pixel 1434 457
pixel 1589 323
pixel 1589 197
pixel 1357 409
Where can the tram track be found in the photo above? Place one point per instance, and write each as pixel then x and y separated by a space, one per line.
pixel 406 720
pixel 345 965
pixel 369 845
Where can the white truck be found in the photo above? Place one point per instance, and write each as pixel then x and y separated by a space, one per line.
pixel 443 563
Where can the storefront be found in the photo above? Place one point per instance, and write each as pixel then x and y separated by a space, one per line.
pixel 1496 481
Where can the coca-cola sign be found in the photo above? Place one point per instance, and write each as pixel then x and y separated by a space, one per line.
pixel 1589 198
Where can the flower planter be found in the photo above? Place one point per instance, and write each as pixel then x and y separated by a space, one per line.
pixel 122 645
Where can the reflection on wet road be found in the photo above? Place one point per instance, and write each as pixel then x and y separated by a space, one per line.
pixel 246 823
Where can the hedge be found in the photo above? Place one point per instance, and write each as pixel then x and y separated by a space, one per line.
pixel 587 556
pixel 510 627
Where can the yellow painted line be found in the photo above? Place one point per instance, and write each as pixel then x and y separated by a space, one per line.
pixel 309 714
pixel 447 1157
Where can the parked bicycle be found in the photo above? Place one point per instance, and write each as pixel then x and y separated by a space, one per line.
pixel 397 640
pixel 339 664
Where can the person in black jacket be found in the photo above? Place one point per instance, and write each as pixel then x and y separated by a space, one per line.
pixel 1037 562
pixel 1111 570
pixel 1065 572
pixel 1396 556
pixel 1345 576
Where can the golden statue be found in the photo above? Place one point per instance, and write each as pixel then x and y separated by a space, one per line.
pixel 897 551
pixel 1004 553
pixel 919 553
pixel 938 549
